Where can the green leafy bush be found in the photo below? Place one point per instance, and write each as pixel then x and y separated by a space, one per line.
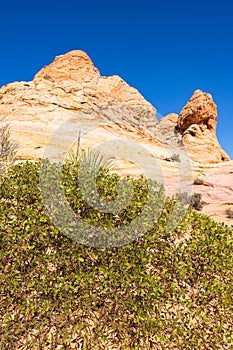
pixel 162 291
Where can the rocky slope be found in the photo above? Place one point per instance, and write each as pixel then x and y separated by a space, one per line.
pixel 70 96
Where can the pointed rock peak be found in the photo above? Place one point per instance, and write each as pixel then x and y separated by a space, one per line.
pixel 197 124
pixel 70 66
pixel 200 110
pixel 201 97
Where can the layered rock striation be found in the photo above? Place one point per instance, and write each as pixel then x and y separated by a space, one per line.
pixel 71 87
pixel 71 92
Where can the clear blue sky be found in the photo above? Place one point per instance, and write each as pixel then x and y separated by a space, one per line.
pixel 165 49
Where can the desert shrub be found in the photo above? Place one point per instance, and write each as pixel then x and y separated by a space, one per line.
pixel 8 148
pixel 198 181
pixel 229 213
pixel 184 197
pixel 153 293
pixel 175 158
pixel 194 201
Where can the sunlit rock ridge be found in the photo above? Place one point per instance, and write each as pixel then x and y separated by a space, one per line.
pixel 72 89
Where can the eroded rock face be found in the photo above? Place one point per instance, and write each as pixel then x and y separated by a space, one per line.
pixel 72 90
pixel 166 130
pixel 200 110
pixel 197 124
pixel 70 87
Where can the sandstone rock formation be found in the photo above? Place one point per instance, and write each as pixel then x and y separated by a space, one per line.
pixel 70 92
pixel 197 124
pixel 166 130
pixel 71 87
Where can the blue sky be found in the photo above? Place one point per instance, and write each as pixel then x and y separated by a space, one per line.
pixel 166 49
